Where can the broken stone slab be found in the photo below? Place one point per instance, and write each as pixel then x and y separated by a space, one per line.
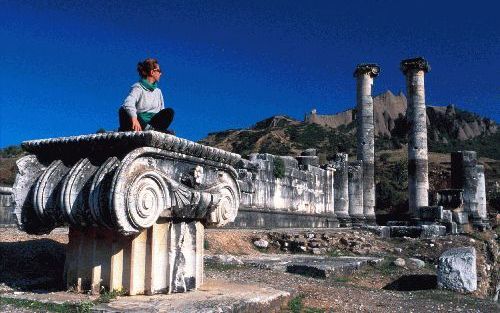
pixel 457 270
pixel 317 266
pixel 214 296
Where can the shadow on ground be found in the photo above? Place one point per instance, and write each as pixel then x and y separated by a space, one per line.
pixel 33 265
pixel 413 282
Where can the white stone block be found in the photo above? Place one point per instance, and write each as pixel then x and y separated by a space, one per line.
pixel 457 270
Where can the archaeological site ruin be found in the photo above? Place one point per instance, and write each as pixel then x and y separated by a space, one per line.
pixel 137 203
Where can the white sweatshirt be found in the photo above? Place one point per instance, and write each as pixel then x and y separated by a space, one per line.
pixel 142 100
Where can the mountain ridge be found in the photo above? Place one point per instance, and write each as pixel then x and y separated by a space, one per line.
pixel 448 128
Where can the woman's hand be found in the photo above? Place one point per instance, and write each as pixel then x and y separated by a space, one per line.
pixel 136 126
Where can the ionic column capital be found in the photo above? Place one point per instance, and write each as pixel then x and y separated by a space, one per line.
pixel 419 64
pixel 367 68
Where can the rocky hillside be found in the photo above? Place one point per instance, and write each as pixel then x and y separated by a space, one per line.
pixel 445 122
pixel 449 129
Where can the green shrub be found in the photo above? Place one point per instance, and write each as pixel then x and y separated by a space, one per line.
pixel 278 167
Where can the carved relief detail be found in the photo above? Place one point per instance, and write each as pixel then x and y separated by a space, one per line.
pixel 131 194
pixel 147 197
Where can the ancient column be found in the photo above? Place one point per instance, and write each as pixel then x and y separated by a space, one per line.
pixel 364 74
pixel 464 176
pixel 481 193
pixel 341 192
pixel 418 176
pixel 356 196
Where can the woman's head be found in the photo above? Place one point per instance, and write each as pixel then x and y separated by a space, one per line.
pixel 149 68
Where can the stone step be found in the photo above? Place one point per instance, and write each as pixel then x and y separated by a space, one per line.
pixel 212 296
pixel 315 266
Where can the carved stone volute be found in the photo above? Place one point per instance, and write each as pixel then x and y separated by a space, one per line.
pixel 367 68
pixel 415 64
pixel 127 192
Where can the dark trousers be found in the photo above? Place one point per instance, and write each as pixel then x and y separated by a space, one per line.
pixel 160 121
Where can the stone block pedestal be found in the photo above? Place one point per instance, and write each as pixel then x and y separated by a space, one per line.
pixel 166 258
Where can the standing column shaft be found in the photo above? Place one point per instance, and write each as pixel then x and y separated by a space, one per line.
pixel 341 192
pixel 481 193
pixel 464 176
pixel 418 172
pixel 356 196
pixel 364 74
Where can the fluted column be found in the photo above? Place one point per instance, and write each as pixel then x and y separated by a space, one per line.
pixel 364 74
pixel 418 176
pixel 341 192
pixel 356 196
pixel 481 193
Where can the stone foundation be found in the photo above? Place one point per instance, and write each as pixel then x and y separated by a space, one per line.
pixel 166 258
pixel 255 218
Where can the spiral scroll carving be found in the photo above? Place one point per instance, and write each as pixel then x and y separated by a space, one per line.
pixel 228 194
pixel 226 209
pixel 99 203
pixel 125 193
pixel 45 196
pixel 146 199
pixel 75 192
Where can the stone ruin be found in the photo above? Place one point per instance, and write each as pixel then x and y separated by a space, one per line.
pixel 137 204
pixel 465 204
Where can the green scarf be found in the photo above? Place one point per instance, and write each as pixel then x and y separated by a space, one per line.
pixel 144 82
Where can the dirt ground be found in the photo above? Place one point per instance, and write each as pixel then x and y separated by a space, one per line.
pixel 380 288
pixel 35 264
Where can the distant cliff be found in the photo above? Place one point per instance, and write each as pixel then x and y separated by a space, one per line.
pixel 449 129
pixel 444 122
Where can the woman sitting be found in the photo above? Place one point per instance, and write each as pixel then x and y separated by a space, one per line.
pixel 144 109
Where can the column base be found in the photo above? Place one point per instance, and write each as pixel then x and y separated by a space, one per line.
pixel 358 220
pixel 370 220
pixel 165 258
pixel 344 220
pixel 333 222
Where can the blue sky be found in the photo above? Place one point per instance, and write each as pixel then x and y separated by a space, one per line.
pixel 68 65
